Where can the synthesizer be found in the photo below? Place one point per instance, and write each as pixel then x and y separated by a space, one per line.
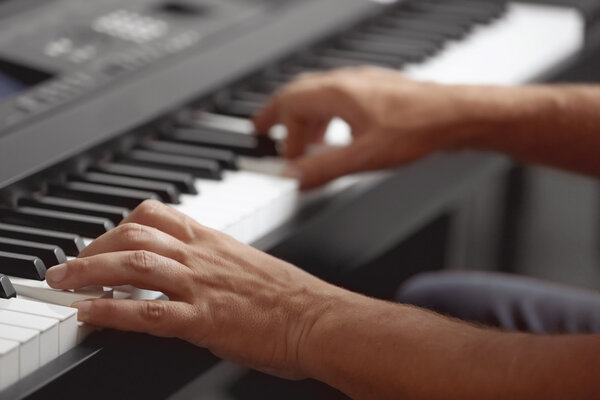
pixel 104 105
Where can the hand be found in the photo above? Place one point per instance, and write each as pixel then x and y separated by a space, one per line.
pixel 394 120
pixel 238 302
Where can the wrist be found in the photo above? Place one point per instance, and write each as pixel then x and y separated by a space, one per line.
pixel 331 305
pixel 495 114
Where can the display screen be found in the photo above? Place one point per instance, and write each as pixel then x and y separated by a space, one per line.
pixel 15 78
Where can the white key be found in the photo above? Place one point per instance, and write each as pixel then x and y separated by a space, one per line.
pixel 519 47
pixel 245 204
pixel 40 290
pixel 46 327
pixel 66 317
pixel 29 346
pixel 9 363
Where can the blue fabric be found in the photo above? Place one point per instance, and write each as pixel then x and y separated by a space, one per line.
pixel 505 301
pixel 9 85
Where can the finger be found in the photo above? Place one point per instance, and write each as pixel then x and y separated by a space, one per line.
pixel 317 132
pixel 270 116
pixel 158 318
pixel 166 219
pixel 142 269
pixel 132 236
pixel 295 142
pixel 309 98
pixel 313 171
pixel 267 117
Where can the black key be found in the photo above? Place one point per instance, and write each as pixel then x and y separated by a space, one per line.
pixel 364 57
pixel 449 31
pixel 476 11
pixel 391 37
pixel 409 53
pixel 251 96
pixel 166 191
pixel 207 169
pixel 437 37
pixel 22 266
pixel 83 225
pixel 119 197
pixel 71 244
pixel 436 18
pixel 113 213
pixel 427 46
pixel 226 158
pixel 269 85
pixel 242 144
pixel 182 180
pixel 240 108
pixel 50 254
pixel 7 290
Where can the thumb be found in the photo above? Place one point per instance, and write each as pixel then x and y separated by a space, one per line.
pixel 316 170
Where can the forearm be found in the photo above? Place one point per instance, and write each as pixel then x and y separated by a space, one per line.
pixel 371 350
pixel 552 125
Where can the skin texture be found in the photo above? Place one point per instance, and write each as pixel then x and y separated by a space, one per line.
pixel 259 311
pixel 395 121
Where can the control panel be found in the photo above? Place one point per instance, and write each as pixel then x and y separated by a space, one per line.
pixel 55 52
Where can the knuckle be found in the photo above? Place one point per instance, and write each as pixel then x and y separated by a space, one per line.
pixel 100 308
pixel 131 232
pixel 141 261
pixel 212 235
pixel 149 207
pixel 153 311
pixel 78 267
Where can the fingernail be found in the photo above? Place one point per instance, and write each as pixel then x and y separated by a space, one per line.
pixel 83 309
pixel 292 173
pixel 56 274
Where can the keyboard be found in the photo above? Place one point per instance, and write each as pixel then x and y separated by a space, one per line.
pixel 200 156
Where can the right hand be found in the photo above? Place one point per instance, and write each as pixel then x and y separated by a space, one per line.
pixel 394 120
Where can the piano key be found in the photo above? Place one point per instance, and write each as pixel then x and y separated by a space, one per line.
pixel 241 144
pixel 183 181
pixel 251 96
pixel 447 30
pixel 7 290
pixel 391 49
pixel 227 159
pixel 487 55
pixel 23 266
pixel 476 11
pixel 327 62
pixel 70 243
pixel 426 46
pixel 241 108
pixel 434 17
pixel 208 169
pixel 438 37
pixel 268 201
pixel 116 196
pixel 166 191
pixel 83 225
pixel 29 347
pixel 47 328
pixel 66 317
pixel 268 84
pixel 9 363
pixel 41 291
pixel 376 58
pixel 50 254
pixel 221 123
pixel 113 213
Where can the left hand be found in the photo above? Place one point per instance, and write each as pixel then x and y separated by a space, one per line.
pixel 238 302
